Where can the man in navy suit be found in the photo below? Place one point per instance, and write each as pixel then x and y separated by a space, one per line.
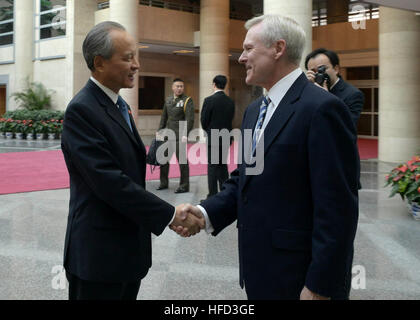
pixel 107 247
pixel 352 97
pixel 296 220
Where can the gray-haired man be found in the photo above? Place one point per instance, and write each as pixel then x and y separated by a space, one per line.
pixel 108 239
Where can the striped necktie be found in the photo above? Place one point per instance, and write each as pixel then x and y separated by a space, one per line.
pixel 263 111
pixel 124 111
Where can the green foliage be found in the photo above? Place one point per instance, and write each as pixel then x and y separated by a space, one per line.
pixel 34 97
pixel 405 180
pixel 37 115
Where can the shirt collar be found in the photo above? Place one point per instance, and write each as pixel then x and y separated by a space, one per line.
pixel 335 83
pixel 279 90
pixel 111 94
pixel 218 90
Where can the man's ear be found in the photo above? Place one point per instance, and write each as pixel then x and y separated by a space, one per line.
pixel 280 48
pixel 98 63
pixel 337 69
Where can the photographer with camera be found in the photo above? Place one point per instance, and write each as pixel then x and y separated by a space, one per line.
pixel 324 70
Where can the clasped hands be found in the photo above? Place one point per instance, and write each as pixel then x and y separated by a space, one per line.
pixel 188 220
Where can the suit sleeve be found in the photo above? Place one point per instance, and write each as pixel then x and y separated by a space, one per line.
pixel 205 115
pixel 90 154
pixel 189 115
pixel 333 159
pixel 163 118
pixel 222 207
pixel 355 103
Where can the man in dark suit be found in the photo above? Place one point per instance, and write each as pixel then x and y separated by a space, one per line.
pixel 217 114
pixel 351 96
pixel 297 219
pixel 108 240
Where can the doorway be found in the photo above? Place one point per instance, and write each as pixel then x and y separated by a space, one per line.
pixel 2 100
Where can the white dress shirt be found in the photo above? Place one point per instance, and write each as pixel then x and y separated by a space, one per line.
pixel 114 98
pixel 276 95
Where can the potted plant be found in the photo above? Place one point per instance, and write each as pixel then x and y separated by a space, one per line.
pixel 405 180
pixel 2 128
pixel 29 130
pixel 19 130
pixel 40 129
pixel 53 128
pixel 10 128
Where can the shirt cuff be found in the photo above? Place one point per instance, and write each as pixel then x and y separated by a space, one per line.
pixel 173 218
pixel 209 227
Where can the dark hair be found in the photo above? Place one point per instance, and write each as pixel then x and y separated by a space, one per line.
pixel 98 42
pixel 178 80
pixel 220 81
pixel 332 56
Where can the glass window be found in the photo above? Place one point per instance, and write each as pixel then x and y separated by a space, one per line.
pixel 6 22
pixel 52 18
pixel 364 126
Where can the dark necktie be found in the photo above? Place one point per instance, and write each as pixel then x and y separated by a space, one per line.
pixel 124 111
pixel 263 111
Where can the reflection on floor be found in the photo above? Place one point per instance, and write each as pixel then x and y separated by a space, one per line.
pixel 32 227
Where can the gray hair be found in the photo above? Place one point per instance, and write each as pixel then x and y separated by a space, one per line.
pixel 98 42
pixel 276 27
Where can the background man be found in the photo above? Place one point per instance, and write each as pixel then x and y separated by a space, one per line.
pixel 217 113
pixel 108 240
pixel 351 96
pixel 178 107
pixel 296 220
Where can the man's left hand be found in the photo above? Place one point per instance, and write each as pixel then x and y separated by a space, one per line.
pixel 307 294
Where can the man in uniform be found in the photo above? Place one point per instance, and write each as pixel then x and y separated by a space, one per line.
pixel 178 109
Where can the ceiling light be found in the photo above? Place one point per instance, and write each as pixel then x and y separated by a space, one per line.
pixel 183 51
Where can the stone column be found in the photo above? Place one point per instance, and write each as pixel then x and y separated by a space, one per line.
pixel 399 83
pixel 125 12
pixel 214 44
pixel 300 11
pixel 24 43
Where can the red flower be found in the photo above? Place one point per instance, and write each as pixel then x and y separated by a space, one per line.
pixel 417 177
pixel 397 178
pixel 403 168
pixel 412 168
pixel 416 158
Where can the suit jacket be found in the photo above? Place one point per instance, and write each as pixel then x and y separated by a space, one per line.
pixel 297 220
pixel 352 97
pixel 217 113
pixel 111 215
pixel 173 113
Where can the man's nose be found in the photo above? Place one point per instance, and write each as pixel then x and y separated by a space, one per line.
pixel 242 58
pixel 136 64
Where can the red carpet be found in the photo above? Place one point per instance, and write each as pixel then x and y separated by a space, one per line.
pixel 46 170
pixel 368 148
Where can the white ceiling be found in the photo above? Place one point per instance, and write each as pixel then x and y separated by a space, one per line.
pixel 169 49
pixel 413 5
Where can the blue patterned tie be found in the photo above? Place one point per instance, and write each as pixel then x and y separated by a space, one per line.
pixel 124 111
pixel 263 111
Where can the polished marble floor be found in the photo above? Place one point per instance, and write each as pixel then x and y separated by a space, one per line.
pixel 32 227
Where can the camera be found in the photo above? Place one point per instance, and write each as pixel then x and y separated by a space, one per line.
pixel 321 76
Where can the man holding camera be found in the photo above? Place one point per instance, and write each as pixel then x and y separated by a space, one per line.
pixel 323 69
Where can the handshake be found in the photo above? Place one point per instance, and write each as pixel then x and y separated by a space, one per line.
pixel 189 220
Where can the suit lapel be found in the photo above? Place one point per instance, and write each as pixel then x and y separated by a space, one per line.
pixel 116 116
pixel 281 116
